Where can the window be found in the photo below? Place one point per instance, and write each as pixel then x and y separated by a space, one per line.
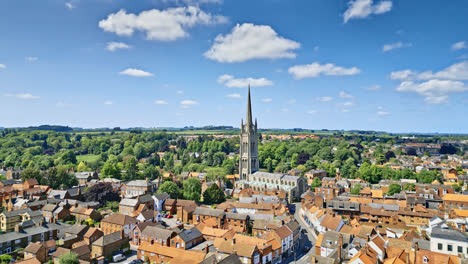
pixel 425 259
pixel 449 248
pixel 460 249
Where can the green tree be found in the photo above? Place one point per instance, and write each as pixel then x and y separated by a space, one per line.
pixel 69 258
pixel 110 170
pixel 316 182
pixel 31 173
pixel 131 168
pixel 82 167
pixel 356 189
pixel 393 189
pixel 151 172
pixel 170 188
pixel 213 195
pixel 409 187
pixel 5 259
pixel 68 157
pixel 192 189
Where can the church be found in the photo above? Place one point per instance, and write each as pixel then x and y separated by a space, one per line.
pixel 249 174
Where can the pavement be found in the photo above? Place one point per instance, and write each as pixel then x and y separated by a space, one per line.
pixel 132 256
pixel 307 240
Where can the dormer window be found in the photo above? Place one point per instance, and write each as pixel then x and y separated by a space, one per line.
pixel 425 259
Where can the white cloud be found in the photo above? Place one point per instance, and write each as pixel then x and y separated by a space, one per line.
pixel 316 69
pixel 188 103
pixel 249 41
pixel 311 112
pixel 364 8
pixel 402 75
pixel 23 96
pixel 435 91
pixel 180 92
pixel 62 104
pixel 135 73
pixel 230 81
pixel 459 45
pixel 436 99
pixel 233 96
pixel 2 66
pixel 160 102
pixel 343 94
pixel 349 104
pixel 457 71
pixel 382 113
pixel 345 110
pixel 379 107
pixel 267 100
pixel 291 101
pixel 113 46
pixel 373 88
pixel 108 103
pixel 31 58
pixel 69 5
pixel 324 99
pixel 162 25
pixel 284 110
pixel 397 45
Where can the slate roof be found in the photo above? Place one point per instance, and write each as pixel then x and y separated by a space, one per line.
pixel 145 198
pixel 49 207
pixel 10 236
pixel 119 219
pixel 190 234
pixel 162 196
pixel 449 234
pixel 209 211
pixel 60 194
pixel 108 239
pixel 157 232
pixel 75 229
pixel 128 202
pixel 139 183
pixel 16 212
pixel 236 216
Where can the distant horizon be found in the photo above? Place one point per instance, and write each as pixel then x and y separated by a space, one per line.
pixel 235 128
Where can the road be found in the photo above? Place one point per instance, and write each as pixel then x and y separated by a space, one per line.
pixel 307 239
pixel 132 256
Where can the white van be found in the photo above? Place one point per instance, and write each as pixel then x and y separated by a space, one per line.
pixel 118 257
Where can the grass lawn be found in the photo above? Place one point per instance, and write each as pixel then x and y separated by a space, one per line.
pixel 87 158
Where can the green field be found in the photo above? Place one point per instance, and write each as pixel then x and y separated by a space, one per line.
pixel 87 158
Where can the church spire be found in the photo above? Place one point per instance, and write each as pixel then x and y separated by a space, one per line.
pixel 249 111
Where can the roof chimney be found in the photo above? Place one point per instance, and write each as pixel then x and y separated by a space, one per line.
pixel 340 246
pixel 207 249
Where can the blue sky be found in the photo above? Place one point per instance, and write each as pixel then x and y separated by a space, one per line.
pixel 399 66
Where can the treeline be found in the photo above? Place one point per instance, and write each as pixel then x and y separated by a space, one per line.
pixel 135 154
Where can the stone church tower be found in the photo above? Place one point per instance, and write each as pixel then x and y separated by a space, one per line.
pixel 248 160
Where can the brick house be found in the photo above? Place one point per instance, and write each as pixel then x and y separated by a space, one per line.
pixel 187 239
pixel 203 213
pixel 117 222
pixel 109 244
pixel 36 250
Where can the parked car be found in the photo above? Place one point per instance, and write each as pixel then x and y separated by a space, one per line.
pixel 118 257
